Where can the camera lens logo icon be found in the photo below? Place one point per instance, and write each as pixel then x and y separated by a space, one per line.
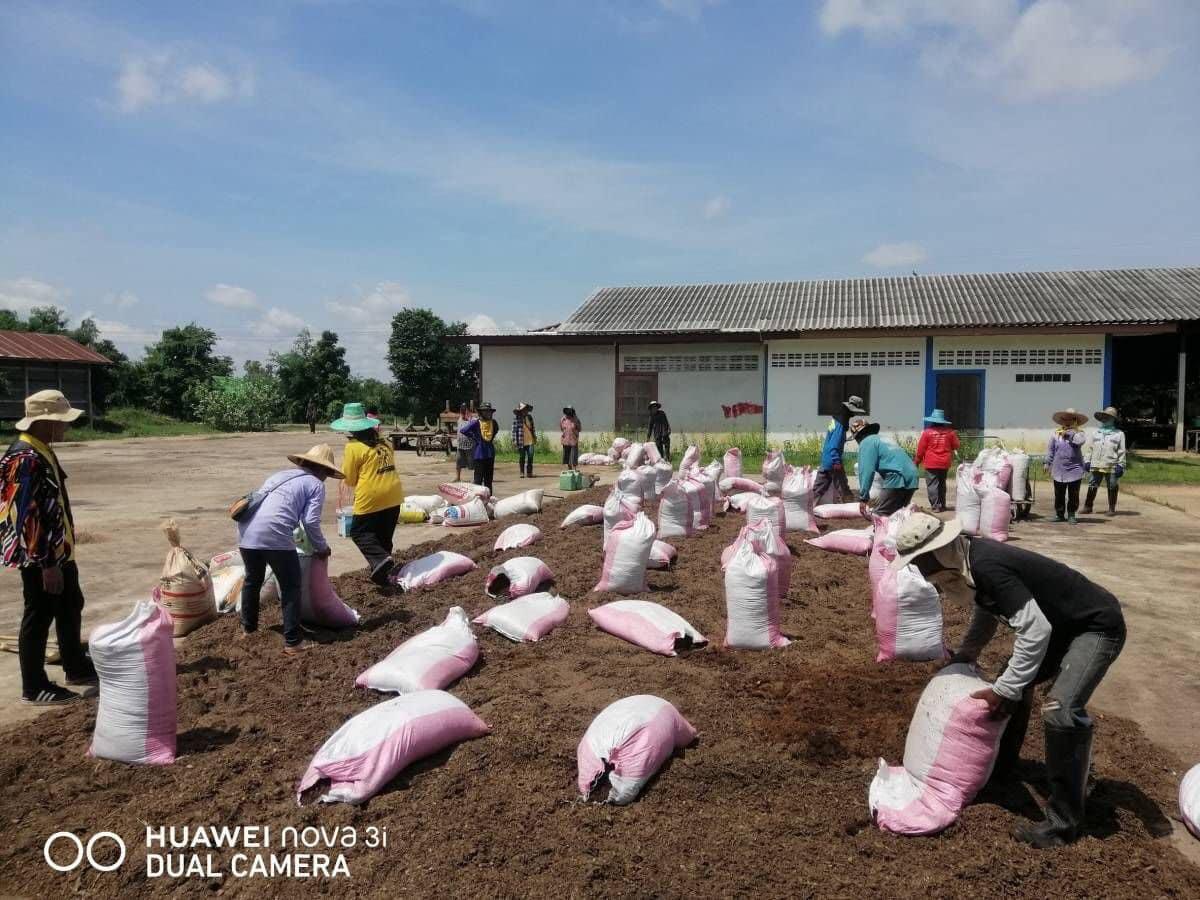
pixel 82 850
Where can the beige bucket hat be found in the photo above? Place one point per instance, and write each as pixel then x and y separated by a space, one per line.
pixel 1109 412
pixel 48 406
pixel 1069 418
pixel 321 455
pixel 922 533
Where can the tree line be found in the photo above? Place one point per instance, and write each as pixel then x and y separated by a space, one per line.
pixel 182 376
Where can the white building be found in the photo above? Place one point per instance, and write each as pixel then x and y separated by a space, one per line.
pixel 1000 353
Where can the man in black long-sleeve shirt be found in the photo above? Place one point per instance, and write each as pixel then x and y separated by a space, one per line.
pixel 1068 629
pixel 659 430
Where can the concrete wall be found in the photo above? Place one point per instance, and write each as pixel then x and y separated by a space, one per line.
pixel 551 378
pixel 703 401
pixel 897 391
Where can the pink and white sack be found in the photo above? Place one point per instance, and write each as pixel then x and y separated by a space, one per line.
pixel 855 541
pixel 647 625
pixel 705 489
pixel 689 460
pixel 739 502
pixel 966 501
pixel 619 507
pixel 732 462
pixel 663 473
pixel 774 467
pixel 837 511
pixel 529 618
pixel 588 514
pixel 769 508
pixel 626 557
pixel 883 542
pixel 515 536
pixel 797 496
pixel 636 457
pixel 431 660
pixel 676 510
pixel 430 570
pixel 135 662
pixel 1189 800
pixel 951 748
pixel 908 617
pixel 319 602
pixel 662 555
pixel 653 457
pixel 1020 474
pixel 473 512
pixel 619 446
pixel 716 472
pixel 525 503
pixel 375 746
pixel 426 503
pixel 461 491
pixel 996 461
pixel 738 485
pixel 596 459
pixel 628 742
pixel 765 538
pixel 995 508
pixel 517 577
pixel 648 480
pixel 752 600
pixel 630 483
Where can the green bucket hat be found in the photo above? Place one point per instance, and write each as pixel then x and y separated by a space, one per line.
pixel 354 418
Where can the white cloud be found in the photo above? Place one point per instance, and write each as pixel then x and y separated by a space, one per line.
pixel 893 256
pixel 716 207
pixel 276 322
pixel 22 294
pixel 231 296
pixel 482 324
pixel 123 299
pixel 162 79
pixel 689 9
pixel 377 305
pixel 1044 49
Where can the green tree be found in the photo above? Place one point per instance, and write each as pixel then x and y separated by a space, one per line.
pixel 373 394
pixel 243 404
pixel 10 321
pixel 47 320
pixel 179 366
pixel 312 370
pixel 429 373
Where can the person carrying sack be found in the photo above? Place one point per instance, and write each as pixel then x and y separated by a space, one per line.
pixel 1106 460
pixel 935 449
pixel 265 538
pixel 831 485
pixel 369 467
pixel 482 433
pixel 1069 630
pixel 1064 462
pixel 37 536
pixel 894 467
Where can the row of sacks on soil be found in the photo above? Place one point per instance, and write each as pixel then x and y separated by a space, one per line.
pixel 951 745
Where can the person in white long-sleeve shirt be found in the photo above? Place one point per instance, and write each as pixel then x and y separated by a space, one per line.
pixel 1068 629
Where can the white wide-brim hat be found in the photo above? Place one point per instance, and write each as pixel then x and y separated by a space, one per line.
pixel 922 533
pixel 48 406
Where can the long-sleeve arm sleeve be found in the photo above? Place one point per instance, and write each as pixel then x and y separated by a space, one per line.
pixel 1033 639
pixel 1121 450
pixel 922 445
pixel 868 459
pixel 312 518
pixel 1077 437
pixel 979 633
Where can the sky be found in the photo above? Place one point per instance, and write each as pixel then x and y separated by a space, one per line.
pixel 260 167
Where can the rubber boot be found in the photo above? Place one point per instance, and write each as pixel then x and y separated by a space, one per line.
pixel 1068 759
pixel 1008 754
pixel 1091 498
pixel 1112 499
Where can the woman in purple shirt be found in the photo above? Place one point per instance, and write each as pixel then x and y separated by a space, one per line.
pixel 293 497
pixel 1064 463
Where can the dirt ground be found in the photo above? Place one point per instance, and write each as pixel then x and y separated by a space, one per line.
pixel 770 801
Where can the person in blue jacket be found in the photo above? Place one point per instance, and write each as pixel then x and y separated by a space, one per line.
pixel 831 474
pixel 894 467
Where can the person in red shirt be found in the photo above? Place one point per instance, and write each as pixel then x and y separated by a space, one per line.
pixel 935 450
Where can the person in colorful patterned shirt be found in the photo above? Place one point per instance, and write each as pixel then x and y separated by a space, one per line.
pixel 37 536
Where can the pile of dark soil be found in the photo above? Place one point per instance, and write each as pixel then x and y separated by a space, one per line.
pixel 771 801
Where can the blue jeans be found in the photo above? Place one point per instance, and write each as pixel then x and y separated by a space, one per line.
pixel 1086 661
pixel 525 460
pixel 286 566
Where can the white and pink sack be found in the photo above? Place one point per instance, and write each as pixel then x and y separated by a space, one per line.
pixel 319 602
pixel 908 617
pixel 732 462
pixel 629 741
pixel 629 483
pixel 663 473
pixel 431 660
pixel 774 467
pixel 662 555
pixel 461 491
pixel 647 625
pixel 619 507
pixel 966 500
pixel 648 483
pixel 517 577
pixel 653 457
pixel 376 745
pixel 739 502
pixel 716 472
pixel 855 541
pixel 883 542
pixel 752 600
pixel 529 618
pixel 797 496
pixel 515 536
pixel 135 662
pixel 996 461
pixel 951 748
pixel 636 456
pixel 473 512
pixel 1189 800
pixel 426 503
pixel 689 460
pixel 769 508
pixel 596 459
pixel 737 485
pixel 588 514
pixel 626 557
pixel 620 446
pixel 764 537
pixel 995 508
pixel 676 510
pixel 705 493
pixel 525 503
pixel 432 569
pixel 838 511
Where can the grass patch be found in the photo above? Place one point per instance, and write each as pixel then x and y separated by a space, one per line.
pixel 1181 469
pixel 126 423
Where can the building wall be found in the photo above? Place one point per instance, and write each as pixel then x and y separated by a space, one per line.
pixel 551 378
pixel 704 388
pixel 897 382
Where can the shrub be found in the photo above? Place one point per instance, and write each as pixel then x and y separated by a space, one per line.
pixel 251 405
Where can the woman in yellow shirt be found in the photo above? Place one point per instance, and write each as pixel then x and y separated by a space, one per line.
pixel 369 465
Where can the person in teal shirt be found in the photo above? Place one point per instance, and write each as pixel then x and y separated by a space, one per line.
pixel 894 467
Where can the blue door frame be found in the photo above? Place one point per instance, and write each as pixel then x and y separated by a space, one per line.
pixel 931 385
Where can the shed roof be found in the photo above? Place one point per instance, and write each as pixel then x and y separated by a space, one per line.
pixel 25 345
pixel 1017 299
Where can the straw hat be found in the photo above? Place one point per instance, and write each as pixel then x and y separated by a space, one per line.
pixel 354 418
pixel 321 455
pixel 1109 412
pixel 48 406
pixel 922 533
pixel 1069 418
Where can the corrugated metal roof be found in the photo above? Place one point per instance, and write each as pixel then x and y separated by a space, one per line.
pixel 1110 297
pixel 46 348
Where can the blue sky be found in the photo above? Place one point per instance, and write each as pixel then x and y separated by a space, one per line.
pixel 257 167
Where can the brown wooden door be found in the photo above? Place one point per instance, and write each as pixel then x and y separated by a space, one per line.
pixel 635 390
